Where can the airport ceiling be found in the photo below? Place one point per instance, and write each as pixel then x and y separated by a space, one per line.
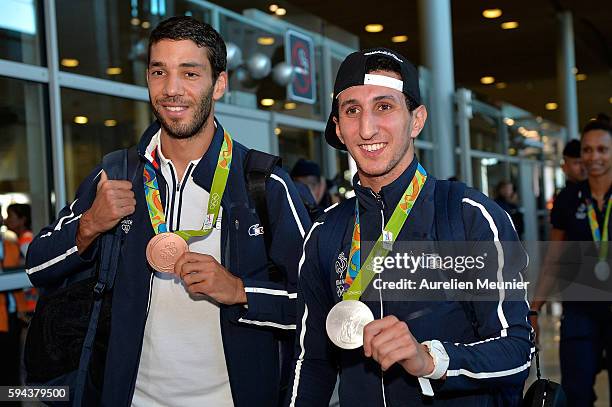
pixel 523 58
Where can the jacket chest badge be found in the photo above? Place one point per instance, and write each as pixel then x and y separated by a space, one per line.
pixel 256 230
pixel 581 212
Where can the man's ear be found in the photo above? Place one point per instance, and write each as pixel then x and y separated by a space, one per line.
pixel 419 117
pixel 338 133
pixel 220 86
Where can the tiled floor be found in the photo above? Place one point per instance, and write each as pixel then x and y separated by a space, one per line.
pixel 549 359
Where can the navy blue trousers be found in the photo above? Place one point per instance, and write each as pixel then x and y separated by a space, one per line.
pixel 586 334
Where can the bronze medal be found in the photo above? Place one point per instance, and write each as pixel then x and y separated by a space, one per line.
pixel 164 249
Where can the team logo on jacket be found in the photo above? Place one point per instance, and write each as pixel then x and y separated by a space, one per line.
pixel 341 268
pixel 126 224
pixel 581 212
pixel 256 230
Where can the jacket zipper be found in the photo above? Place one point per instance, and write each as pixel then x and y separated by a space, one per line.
pixel 382 228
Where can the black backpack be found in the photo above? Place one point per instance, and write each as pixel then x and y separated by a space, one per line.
pixel 68 335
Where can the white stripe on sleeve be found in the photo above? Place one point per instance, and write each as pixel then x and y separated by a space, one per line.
pixel 295 215
pixel 53 261
pixel 500 263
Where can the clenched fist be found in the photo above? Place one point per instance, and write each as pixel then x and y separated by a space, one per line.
pixel 114 201
pixel 389 341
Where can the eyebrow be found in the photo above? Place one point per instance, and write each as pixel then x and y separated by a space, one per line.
pixel 188 64
pixel 376 99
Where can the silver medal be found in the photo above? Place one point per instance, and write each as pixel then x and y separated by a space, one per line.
pixel 345 323
pixel 602 270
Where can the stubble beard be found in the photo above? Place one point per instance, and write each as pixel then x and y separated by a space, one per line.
pixel 182 131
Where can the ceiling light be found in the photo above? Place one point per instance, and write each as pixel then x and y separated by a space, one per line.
pixel 509 121
pixel 81 119
pixel 487 80
pixel 574 70
pixel 374 28
pixel 551 106
pixel 145 24
pixel 277 131
pixel 265 40
pixel 509 25
pixel 581 77
pixel 280 11
pixel 70 62
pixel 273 7
pixel 266 102
pixel 135 21
pixel 492 13
pixel 501 85
pixel 290 105
pixel 399 38
pixel 610 100
pixel 110 123
pixel 113 70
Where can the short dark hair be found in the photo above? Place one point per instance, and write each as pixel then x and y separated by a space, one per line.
pixel 602 122
pixel 22 211
pixel 572 149
pixel 386 64
pixel 188 28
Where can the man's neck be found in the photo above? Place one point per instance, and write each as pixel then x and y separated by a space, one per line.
pixel 183 151
pixel 600 185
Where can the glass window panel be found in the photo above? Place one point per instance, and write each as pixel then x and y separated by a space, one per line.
pixel 109 39
pixel 295 143
pixel 485 133
pixel 488 172
pixel 94 125
pixel 23 161
pixel 21 37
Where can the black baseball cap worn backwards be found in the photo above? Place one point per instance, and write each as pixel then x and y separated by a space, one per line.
pixel 353 72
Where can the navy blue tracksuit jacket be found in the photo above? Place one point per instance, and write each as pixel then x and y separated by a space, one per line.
pixel 250 345
pixel 486 369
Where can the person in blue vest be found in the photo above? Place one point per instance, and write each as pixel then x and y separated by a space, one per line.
pixel 415 352
pixel 201 329
pixel 581 212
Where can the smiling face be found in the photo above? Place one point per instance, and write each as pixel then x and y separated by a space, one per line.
pixel 181 87
pixel 377 128
pixel 596 152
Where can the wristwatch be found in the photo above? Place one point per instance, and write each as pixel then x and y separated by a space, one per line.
pixel 440 359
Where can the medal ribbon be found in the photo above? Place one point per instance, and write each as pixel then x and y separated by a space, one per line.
pixel 358 278
pixel 156 210
pixel 599 237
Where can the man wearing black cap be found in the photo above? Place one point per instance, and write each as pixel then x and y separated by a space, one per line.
pixel 573 168
pixel 306 176
pixel 415 352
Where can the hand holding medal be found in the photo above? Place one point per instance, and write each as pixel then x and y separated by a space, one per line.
pixel 165 248
pixel 203 275
pixel 346 320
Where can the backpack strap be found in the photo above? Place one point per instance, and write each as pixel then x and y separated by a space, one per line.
pixel 448 198
pixel 257 168
pixel 118 165
pixel 336 229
